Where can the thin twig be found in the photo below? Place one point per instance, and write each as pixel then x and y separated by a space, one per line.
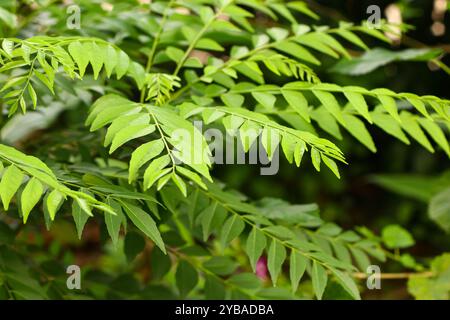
pixel 394 276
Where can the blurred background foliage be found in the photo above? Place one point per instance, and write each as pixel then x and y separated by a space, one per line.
pixel 395 185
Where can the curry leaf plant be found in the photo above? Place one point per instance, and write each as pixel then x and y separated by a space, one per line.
pixel 163 67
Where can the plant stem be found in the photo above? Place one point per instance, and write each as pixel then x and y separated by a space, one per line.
pixel 155 45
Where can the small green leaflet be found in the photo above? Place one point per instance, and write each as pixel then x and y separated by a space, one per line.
pixel 80 217
pixel 143 154
pixel 113 222
pixel 347 283
pixel 298 102
pixel 53 202
pixel 144 222
pixel 297 268
pixel 256 242
pixel 11 181
pixel 186 278
pixel 319 279
pixel 232 228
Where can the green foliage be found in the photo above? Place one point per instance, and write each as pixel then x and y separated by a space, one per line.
pixel 379 57
pixel 188 61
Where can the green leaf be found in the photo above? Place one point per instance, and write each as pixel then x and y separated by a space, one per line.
pixel 387 102
pixel 15 81
pixel 130 133
pixel 175 54
pixel 298 102
pixel 122 122
pixel 247 281
pixel 297 51
pixel 206 14
pixel 232 100
pixel 267 100
pixel 379 57
pixel 80 217
pixel 347 283
pixel 110 57
pixel 186 278
pixel 191 175
pixel 359 103
pixel 143 154
pixel 54 202
pixel 113 222
pixel 362 260
pixel 332 165
pixel 79 55
pixel 221 265
pixel 436 287
pixel 436 133
pixel 357 129
pixel 351 37
pixel 133 245
pixel 418 104
pixel 95 57
pixel 33 95
pixel 179 183
pixel 314 41
pixel 123 62
pixel 155 171
pixel 315 157
pixel 214 289
pixel 278 33
pixel 206 218
pixel 394 236
pixel 411 126
pixel 11 181
pixel 162 182
pixel 270 139
pixel 8 18
pixel 389 125
pixel 251 70
pixel 144 222
pixel 326 121
pixel 111 114
pixel 84 205
pixel 160 264
pixel 255 245
pixel 330 103
pixel 276 257
pixel 209 44
pixel 319 279
pixel 302 7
